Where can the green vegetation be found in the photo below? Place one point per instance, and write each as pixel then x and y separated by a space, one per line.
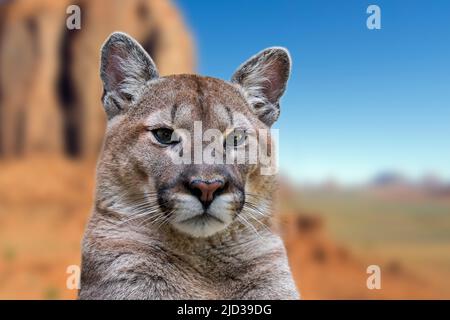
pixel 363 219
pixel 412 232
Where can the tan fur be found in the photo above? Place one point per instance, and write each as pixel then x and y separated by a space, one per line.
pixel 132 247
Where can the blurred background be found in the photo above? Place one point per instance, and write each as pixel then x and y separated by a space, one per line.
pixel 364 132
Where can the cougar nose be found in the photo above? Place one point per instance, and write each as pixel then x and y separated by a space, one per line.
pixel 205 190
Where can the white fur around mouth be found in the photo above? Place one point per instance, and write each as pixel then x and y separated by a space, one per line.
pixel 203 225
pixel 190 217
pixel 204 217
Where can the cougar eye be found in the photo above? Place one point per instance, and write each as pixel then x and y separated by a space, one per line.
pixel 164 135
pixel 236 138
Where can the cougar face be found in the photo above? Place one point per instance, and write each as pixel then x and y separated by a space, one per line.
pixel 172 143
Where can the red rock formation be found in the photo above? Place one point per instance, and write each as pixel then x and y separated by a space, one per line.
pixel 50 88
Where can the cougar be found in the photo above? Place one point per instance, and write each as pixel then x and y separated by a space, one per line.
pixel 161 229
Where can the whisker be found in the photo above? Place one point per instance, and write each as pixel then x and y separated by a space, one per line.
pixel 257 220
pixel 247 223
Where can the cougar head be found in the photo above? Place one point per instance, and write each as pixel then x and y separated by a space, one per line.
pixel 171 143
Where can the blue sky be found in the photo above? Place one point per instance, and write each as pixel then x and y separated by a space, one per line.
pixel 359 101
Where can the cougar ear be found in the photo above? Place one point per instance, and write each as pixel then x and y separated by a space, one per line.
pixel 263 78
pixel 125 68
